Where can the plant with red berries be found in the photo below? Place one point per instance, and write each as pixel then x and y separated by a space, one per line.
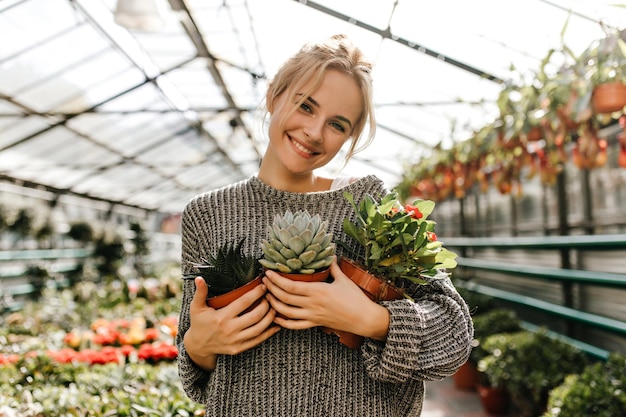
pixel 399 241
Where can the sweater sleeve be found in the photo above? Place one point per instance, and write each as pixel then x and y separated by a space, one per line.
pixel 194 379
pixel 428 339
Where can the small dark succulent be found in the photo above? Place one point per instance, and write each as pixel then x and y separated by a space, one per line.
pixel 229 269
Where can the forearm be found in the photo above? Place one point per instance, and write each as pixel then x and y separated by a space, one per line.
pixel 374 323
pixel 204 360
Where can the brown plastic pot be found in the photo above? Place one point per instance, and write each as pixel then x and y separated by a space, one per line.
pixel 223 300
pixel 314 277
pixel 375 288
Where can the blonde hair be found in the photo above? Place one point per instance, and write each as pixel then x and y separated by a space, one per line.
pixel 309 65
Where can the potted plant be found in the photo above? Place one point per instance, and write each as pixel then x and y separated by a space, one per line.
pixel 229 274
pixel 109 253
pixel 605 62
pixel 45 234
pixel 400 250
pixel 520 112
pixel 22 225
pixel 497 320
pixel 299 246
pixel 599 391
pixel 81 231
pixel 399 242
pixel 528 365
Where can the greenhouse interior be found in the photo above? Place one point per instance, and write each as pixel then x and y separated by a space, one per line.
pixel 114 114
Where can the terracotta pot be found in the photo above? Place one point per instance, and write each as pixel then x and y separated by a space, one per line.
pixel 375 288
pixel 466 378
pixel 495 401
pixel 314 277
pixel 223 300
pixel 609 97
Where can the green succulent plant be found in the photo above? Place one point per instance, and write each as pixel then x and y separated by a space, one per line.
pixel 227 270
pixel 298 243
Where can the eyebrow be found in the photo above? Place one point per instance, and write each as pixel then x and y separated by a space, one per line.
pixel 342 118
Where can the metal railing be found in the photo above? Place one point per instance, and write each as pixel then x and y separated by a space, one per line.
pixel 567 276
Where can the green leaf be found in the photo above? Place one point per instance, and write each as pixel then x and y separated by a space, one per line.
pixel 353 231
pixel 328 252
pixel 297 244
pixel 294 264
pixel 306 257
pixel 272 254
pixel 425 206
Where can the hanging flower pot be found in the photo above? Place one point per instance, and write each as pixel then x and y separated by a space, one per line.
pixel 621 159
pixel 609 97
pixel 534 134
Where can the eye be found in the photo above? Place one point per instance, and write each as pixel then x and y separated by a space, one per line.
pixel 338 126
pixel 306 107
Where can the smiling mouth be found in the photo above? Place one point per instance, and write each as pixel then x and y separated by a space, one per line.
pixel 301 148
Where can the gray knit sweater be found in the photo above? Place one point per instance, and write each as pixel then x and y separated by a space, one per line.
pixel 308 373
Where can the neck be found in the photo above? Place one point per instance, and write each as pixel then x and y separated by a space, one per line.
pixel 307 183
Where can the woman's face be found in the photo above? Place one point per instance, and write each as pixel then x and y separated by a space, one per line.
pixel 311 136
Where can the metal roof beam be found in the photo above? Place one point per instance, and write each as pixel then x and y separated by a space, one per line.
pixel 386 34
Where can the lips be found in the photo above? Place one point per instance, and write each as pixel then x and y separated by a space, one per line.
pixel 301 148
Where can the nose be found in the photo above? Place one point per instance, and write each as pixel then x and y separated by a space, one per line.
pixel 314 129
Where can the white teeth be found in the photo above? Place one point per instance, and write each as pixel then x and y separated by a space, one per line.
pixel 302 148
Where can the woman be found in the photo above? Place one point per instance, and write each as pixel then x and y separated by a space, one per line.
pixel 261 364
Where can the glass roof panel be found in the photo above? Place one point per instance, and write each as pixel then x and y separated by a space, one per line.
pixel 24 21
pixel 16 129
pixel 198 87
pixel 150 118
pixel 376 13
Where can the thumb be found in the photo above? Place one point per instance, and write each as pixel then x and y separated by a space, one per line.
pixel 202 291
pixel 336 271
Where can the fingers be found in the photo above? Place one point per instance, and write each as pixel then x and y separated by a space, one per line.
pixel 261 319
pixel 336 272
pixel 290 291
pixel 283 310
pixel 199 298
pixel 247 300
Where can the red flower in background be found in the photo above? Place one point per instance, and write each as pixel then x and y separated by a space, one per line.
pixel 8 359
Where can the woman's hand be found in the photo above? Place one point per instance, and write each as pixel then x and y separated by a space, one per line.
pixel 228 330
pixel 340 305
